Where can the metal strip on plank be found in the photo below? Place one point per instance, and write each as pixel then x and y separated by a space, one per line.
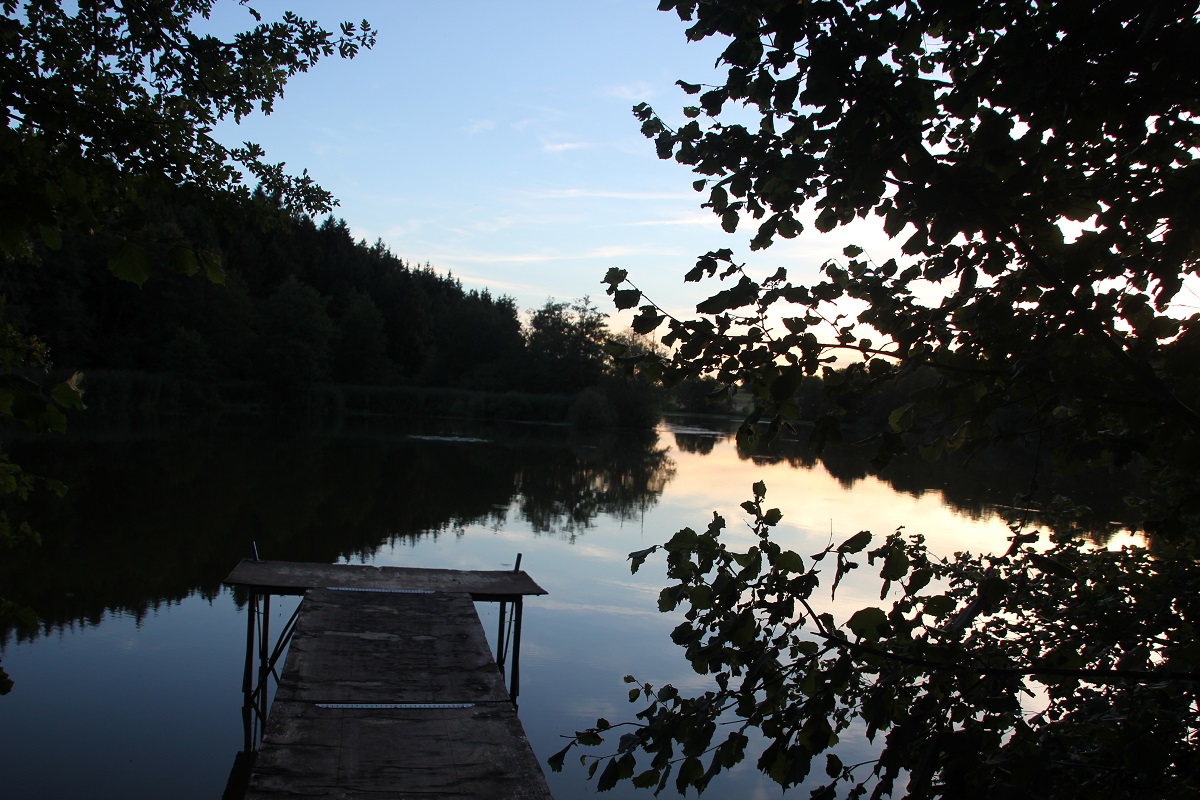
pixel 381 591
pixel 394 705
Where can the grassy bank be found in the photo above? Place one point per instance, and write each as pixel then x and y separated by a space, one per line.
pixel 120 396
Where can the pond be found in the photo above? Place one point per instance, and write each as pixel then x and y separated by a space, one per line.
pixel 131 686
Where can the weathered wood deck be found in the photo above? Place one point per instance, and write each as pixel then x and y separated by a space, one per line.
pixel 292 577
pixel 389 689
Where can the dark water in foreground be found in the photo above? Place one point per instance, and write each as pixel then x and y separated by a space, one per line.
pixel 131 688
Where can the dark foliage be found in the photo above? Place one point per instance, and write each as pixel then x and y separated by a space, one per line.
pixel 1038 163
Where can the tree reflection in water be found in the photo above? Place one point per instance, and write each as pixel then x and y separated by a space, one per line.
pixel 149 521
pixel 1005 480
pixel 154 520
pixel 620 474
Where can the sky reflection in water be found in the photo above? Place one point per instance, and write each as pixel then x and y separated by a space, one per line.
pixel 150 707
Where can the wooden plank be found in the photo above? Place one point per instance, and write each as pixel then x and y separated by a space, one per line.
pixel 293 577
pixel 379 647
pixel 479 752
pixel 367 647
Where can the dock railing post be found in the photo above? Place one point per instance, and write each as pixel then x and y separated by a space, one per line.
pixel 514 687
pixel 500 649
pixel 515 682
pixel 501 644
pixel 248 674
pixel 264 658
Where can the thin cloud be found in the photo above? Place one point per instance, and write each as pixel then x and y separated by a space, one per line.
pixel 493 283
pixel 540 116
pixel 630 252
pixel 613 251
pixel 560 194
pixel 480 125
pixel 499 258
pixel 610 252
pixel 562 147
pixel 705 219
pixel 637 90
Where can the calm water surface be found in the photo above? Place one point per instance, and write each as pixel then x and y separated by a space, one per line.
pixel 132 686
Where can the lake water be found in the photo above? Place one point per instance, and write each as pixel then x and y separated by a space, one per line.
pixel 132 686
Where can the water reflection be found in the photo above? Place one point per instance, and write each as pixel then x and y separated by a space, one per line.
pixel 150 521
pixel 129 574
pixel 691 439
pixel 1004 480
pixel 617 475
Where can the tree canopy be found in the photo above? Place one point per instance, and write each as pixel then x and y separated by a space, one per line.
pixel 108 103
pixel 1037 165
pixel 566 345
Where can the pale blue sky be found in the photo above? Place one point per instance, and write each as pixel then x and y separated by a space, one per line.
pixel 495 140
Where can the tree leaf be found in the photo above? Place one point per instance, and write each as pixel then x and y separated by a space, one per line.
pixel 867 623
pixel 608 777
pixel 691 772
pixel 129 262
pixel 638 557
pixel 626 298
pixel 614 277
pixel 855 543
pixel 646 779
pixel 555 761
pixel 1051 567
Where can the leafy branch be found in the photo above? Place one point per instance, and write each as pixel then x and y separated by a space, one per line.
pixel 792 672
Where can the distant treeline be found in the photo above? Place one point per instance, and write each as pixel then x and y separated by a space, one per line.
pixel 297 304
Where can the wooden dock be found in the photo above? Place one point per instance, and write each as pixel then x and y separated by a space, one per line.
pixel 389 688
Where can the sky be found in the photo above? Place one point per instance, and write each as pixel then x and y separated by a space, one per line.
pixel 495 141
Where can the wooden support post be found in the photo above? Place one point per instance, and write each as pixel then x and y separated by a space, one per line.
pixel 264 657
pixel 515 681
pixel 502 650
pixel 285 637
pixel 248 674
pixel 500 639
